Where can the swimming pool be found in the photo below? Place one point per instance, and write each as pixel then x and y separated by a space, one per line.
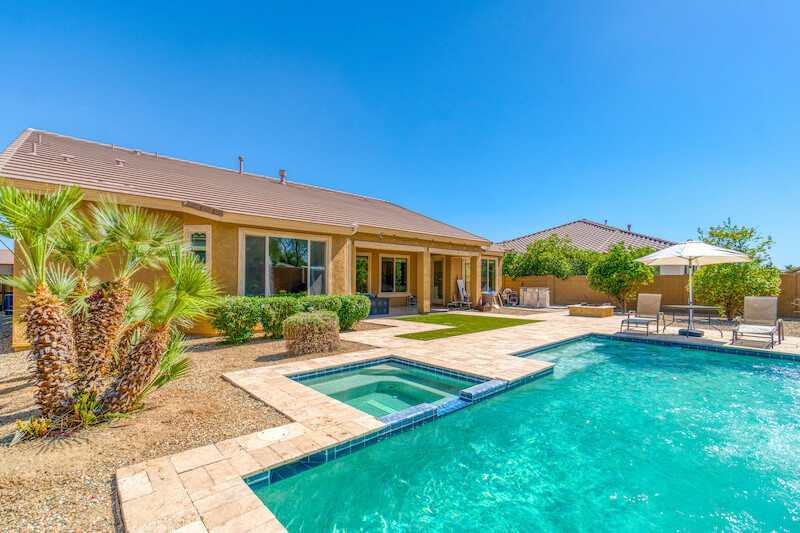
pixel 623 436
pixel 389 387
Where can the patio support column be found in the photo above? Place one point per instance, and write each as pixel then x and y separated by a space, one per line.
pixel 424 282
pixel 475 279
pixel 352 261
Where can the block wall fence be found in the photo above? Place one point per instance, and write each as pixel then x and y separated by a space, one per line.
pixel 575 289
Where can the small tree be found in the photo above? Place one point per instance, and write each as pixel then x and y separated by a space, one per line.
pixel 618 275
pixel 726 285
pixel 551 256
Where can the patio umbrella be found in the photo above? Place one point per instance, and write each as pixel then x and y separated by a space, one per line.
pixel 693 254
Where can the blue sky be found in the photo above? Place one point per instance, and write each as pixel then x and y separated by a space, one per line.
pixel 502 118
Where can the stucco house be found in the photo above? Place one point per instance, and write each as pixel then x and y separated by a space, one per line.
pixel 262 235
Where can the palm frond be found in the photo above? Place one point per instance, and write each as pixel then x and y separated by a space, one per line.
pixel 31 219
pixel 195 290
pixel 138 236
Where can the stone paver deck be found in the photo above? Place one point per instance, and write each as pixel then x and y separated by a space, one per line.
pixel 203 490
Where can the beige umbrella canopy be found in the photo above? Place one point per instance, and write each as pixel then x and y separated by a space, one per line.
pixel 693 254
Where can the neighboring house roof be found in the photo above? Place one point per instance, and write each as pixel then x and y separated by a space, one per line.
pixel 6 257
pixel 793 270
pixel 588 235
pixel 61 160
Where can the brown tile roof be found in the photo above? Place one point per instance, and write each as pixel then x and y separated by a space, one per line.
pixel 62 160
pixel 588 235
pixel 6 257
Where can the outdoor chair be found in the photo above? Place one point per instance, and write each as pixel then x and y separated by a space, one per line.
pixel 648 311
pixel 760 320
pixel 460 299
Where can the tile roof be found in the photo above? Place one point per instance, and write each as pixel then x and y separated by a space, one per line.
pixel 61 160
pixel 588 235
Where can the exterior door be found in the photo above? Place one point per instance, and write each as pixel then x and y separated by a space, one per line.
pixel 437 281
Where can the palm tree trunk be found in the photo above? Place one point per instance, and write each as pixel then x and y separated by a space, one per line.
pixel 49 332
pixel 126 339
pixel 137 371
pixel 99 333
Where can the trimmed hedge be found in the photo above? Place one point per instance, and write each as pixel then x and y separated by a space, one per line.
pixel 237 316
pixel 313 332
pixel 276 310
pixel 355 308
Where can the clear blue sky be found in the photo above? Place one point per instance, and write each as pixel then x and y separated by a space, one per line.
pixel 502 118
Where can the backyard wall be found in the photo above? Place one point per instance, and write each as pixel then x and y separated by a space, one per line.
pixel 575 289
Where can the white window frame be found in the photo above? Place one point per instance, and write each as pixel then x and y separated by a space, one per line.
pixel 369 267
pixel 200 228
pixel 382 294
pixel 254 232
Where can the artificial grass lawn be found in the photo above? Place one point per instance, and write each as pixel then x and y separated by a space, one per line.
pixel 461 325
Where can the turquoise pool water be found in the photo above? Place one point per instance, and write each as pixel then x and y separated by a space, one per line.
pixel 622 437
pixel 387 388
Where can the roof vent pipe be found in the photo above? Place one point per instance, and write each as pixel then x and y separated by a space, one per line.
pixel 33 148
pixel 241 164
pixel 282 174
pixel 38 137
pixel 629 227
pixel 112 145
pixel 605 222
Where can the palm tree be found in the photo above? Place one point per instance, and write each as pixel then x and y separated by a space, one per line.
pixel 133 239
pixel 32 221
pixel 187 297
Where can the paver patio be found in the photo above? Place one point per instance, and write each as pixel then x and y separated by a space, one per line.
pixel 203 489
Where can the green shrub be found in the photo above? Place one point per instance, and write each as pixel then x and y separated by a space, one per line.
pixel 276 309
pixel 321 302
pixel 313 332
pixel 354 309
pixel 236 317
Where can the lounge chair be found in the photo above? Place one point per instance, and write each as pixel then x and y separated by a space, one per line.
pixel 460 300
pixel 760 320
pixel 648 310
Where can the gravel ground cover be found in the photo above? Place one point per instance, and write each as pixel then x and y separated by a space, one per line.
pixel 66 484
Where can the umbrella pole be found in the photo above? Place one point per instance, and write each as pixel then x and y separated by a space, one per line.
pixel 691 297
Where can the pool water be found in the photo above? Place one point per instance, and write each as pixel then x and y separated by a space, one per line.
pixel 389 387
pixel 622 437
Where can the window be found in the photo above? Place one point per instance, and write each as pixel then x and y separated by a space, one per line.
pixel 394 274
pixel 362 274
pixel 487 275
pixel 198 239
pixel 284 265
pixel 255 266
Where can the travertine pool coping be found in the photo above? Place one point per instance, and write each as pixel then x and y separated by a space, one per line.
pixel 203 489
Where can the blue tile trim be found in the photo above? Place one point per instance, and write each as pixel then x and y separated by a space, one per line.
pixel 662 342
pixel 302 376
pixel 409 416
pixel 452 405
pixel 531 378
pixel 483 390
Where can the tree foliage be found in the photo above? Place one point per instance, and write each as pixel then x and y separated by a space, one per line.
pixel 618 275
pixel 726 285
pixel 551 256
pixel 68 324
